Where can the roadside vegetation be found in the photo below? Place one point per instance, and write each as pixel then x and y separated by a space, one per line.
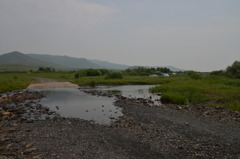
pixel 13 81
pixel 217 88
pixel 209 90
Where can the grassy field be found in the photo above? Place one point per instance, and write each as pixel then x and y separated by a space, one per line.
pixel 12 67
pixel 180 89
pixel 13 81
pixel 209 90
pixel 100 80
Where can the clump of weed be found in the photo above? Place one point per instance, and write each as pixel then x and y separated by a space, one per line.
pixel 175 98
pixel 93 84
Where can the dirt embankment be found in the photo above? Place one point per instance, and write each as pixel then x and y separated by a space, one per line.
pixel 50 83
pixel 143 132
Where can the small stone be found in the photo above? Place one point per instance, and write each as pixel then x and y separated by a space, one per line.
pixel 30 150
pixel 6 113
pixel 29 144
pixel 178 108
pixel 180 148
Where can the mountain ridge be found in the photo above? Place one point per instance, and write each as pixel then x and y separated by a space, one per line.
pixel 62 62
pixel 16 57
pixel 66 61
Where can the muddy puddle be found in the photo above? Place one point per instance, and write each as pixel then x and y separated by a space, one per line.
pixel 75 103
pixel 71 102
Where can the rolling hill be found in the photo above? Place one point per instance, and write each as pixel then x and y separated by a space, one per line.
pixel 65 61
pixel 19 58
pixel 19 61
pixel 109 65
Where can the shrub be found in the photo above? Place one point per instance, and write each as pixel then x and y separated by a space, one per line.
pixel 114 75
pixel 93 84
pixel 76 76
pixel 46 69
pixel 218 73
pixel 92 72
pixel 233 71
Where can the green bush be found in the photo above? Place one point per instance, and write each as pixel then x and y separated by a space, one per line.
pixel 218 73
pixel 92 72
pixel 76 76
pixel 233 71
pixel 46 69
pixel 114 75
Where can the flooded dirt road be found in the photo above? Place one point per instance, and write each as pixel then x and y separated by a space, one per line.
pixel 143 132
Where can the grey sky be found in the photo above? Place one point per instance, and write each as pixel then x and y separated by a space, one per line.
pixel 202 35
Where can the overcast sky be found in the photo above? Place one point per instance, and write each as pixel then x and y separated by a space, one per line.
pixel 201 35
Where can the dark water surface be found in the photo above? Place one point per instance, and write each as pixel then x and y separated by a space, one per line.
pixel 72 102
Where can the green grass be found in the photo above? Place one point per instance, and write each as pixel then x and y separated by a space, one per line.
pixel 175 98
pixel 180 89
pixel 9 82
pixel 12 67
pixel 211 91
pixel 101 80
pixel 12 81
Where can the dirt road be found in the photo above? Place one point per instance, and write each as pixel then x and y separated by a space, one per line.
pixel 50 83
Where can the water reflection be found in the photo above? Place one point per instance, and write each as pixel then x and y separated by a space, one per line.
pixel 71 102
pixel 131 91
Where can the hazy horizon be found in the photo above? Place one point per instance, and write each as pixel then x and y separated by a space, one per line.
pixel 193 35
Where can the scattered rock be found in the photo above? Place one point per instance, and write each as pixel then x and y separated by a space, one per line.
pixel 29 144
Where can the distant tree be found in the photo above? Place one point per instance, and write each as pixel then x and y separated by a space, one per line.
pixel 164 69
pixel 233 71
pixel 46 69
pixel 40 69
pixel 218 73
pixel 92 72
